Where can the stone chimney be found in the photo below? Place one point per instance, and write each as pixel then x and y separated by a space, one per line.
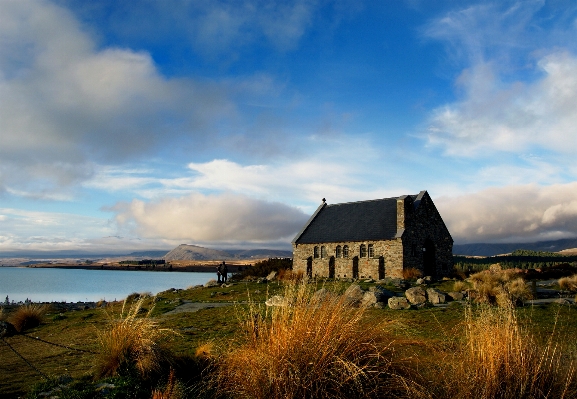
pixel 404 208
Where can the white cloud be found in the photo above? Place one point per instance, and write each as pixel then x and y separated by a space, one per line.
pixel 511 117
pixel 66 104
pixel 210 218
pixel 527 212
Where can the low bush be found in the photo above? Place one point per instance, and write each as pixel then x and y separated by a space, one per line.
pixel 500 287
pixel 500 359
pixel 27 316
pixel 568 283
pixel 318 347
pixel 264 267
pixel 131 343
pixel 411 273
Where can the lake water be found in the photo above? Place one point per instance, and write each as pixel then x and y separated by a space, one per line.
pixel 73 285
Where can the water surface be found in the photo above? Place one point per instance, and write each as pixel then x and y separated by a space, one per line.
pixel 73 285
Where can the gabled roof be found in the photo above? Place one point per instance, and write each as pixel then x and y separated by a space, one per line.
pixel 352 221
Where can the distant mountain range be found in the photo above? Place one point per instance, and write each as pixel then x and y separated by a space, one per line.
pixel 498 249
pixel 194 252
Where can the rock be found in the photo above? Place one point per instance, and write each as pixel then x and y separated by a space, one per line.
pixel 211 283
pixel 271 276
pixel 354 295
pixel 420 281
pixel 435 296
pixel 562 301
pixel 457 296
pixel 261 280
pixel 416 295
pixel 382 294
pixel 277 300
pixel 398 302
pixel 399 283
pixel 427 279
pixel 379 305
pixel 7 329
pixel 369 280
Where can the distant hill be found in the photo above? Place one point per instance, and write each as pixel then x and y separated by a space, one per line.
pixel 480 249
pixel 149 254
pixel 195 252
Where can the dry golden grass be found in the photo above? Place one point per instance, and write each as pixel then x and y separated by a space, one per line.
pixel 459 286
pixel 502 360
pixel 171 391
pixel 411 273
pixel 500 287
pixel 568 283
pixel 316 347
pixel 290 276
pixel 131 342
pixel 27 316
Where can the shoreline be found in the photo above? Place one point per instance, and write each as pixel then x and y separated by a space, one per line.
pixel 232 268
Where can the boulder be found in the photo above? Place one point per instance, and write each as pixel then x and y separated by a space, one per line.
pixel 382 294
pixel 211 283
pixel 457 296
pixel 420 281
pixel 435 296
pixel 271 276
pixel 354 295
pixel 416 295
pixel 399 283
pixel 7 329
pixel 398 302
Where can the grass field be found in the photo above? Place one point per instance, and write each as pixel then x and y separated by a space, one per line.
pixel 428 347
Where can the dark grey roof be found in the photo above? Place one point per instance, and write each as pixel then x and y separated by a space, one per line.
pixel 352 221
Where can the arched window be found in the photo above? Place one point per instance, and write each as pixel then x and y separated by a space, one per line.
pixel 338 252
pixel 345 251
pixel 323 252
pixel 316 252
pixel 363 251
pixel 371 251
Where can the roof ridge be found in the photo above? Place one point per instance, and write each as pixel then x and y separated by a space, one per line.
pixel 373 200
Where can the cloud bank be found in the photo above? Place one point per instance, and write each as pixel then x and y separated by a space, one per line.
pixel 210 218
pixel 511 214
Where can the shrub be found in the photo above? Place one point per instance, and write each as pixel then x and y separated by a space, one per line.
pixel 131 342
pixel 290 276
pixel 499 359
pixel 316 347
pixel 27 316
pixel 459 286
pixel 568 283
pixel 264 267
pixel 500 287
pixel 411 273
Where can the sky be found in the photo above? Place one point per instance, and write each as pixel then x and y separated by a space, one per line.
pixel 135 125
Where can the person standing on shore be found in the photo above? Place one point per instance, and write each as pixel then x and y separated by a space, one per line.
pixel 218 272
pixel 224 272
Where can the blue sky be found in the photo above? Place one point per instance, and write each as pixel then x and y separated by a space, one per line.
pixel 147 124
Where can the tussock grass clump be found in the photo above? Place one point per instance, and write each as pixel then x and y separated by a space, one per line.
pixel 411 273
pixel 502 360
pixel 131 342
pixel 459 286
pixel 27 316
pixel 314 346
pixel 500 287
pixel 171 391
pixel 568 283
pixel 287 275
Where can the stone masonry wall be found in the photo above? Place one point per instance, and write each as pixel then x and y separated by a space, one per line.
pixel 426 223
pixel 391 250
pixel 419 225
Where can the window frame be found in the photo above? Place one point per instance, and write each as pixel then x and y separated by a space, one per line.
pixel 323 252
pixel 338 252
pixel 345 251
pixel 363 251
pixel 316 252
pixel 371 251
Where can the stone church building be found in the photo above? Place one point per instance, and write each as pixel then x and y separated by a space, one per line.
pixel 374 239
